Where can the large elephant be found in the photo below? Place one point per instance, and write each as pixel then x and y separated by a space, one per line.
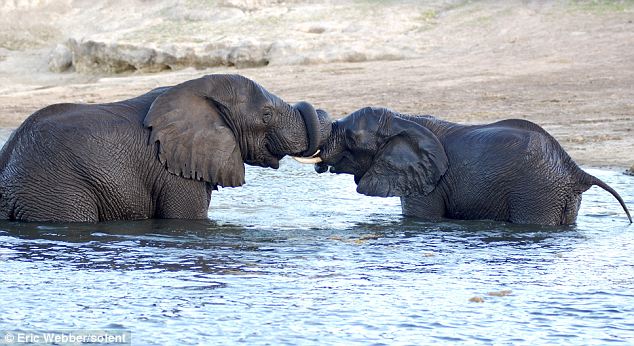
pixel 158 155
pixel 511 170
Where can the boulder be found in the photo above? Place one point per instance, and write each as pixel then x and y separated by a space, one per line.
pixel 60 58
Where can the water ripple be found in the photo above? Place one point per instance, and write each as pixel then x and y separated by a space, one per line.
pixel 299 258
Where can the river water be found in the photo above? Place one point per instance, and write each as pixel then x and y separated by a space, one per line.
pixel 294 257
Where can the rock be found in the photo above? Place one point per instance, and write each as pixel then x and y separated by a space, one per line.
pixel 104 56
pixel 502 293
pixel 91 56
pixel 316 29
pixel 109 57
pixel 285 52
pixel 248 53
pixel 60 58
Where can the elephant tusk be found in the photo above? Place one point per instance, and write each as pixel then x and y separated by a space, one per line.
pixel 309 160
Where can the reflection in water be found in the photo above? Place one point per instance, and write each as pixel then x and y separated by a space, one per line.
pixel 299 258
pixel 125 245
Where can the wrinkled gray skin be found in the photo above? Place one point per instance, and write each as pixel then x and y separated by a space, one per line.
pixel 511 170
pixel 158 155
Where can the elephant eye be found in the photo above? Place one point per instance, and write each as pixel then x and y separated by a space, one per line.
pixel 266 117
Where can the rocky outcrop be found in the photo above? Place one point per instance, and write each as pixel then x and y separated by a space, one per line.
pixel 89 56
pixel 170 34
pixel 111 57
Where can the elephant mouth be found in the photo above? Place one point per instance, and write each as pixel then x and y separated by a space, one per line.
pixel 342 165
pixel 266 159
pixel 274 161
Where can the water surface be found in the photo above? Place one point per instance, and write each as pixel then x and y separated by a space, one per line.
pixel 294 257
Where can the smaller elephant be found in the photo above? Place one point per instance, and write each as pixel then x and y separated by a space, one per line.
pixel 510 170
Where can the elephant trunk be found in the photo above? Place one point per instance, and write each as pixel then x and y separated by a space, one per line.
pixel 317 124
pixel 330 149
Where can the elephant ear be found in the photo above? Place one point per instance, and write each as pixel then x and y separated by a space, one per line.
pixel 411 160
pixel 193 139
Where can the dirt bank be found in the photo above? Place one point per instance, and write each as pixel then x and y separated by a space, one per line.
pixel 567 68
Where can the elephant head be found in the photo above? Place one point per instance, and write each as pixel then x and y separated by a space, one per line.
pixel 387 154
pixel 207 128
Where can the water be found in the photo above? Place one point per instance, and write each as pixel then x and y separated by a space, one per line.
pixel 299 258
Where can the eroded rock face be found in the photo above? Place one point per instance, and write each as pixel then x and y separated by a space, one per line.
pixel 110 57
pixel 170 34
pixel 91 56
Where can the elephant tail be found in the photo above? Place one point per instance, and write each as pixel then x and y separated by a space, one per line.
pixel 598 182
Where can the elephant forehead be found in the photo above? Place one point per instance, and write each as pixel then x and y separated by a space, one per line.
pixel 364 121
pixel 257 93
pixel 242 96
pixel 361 139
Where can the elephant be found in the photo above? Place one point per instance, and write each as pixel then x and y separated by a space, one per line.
pixel 158 155
pixel 511 170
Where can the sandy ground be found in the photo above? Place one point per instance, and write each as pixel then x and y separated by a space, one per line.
pixel 571 71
